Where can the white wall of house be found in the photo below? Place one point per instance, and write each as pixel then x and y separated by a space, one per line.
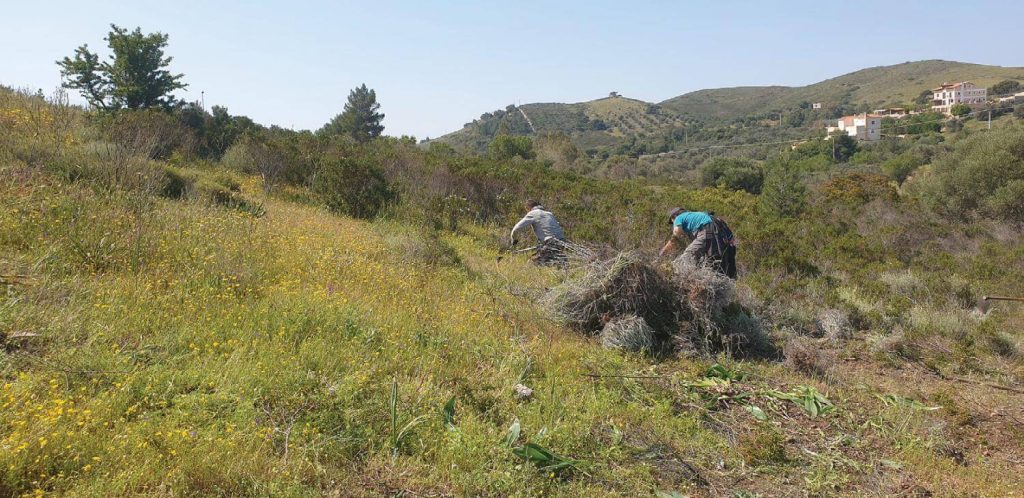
pixel 947 96
pixel 860 126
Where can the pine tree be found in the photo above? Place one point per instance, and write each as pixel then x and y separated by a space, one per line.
pixel 360 119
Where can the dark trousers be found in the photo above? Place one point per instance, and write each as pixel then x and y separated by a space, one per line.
pixel 709 248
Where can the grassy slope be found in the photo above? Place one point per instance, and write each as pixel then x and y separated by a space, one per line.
pixel 199 350
pixel 883 85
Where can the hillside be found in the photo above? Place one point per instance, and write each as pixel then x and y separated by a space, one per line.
pixel 174 324
pixel 608 123
pixel 875 87
pixel 599 123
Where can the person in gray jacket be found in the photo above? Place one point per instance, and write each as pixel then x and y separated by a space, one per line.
pixel 550 237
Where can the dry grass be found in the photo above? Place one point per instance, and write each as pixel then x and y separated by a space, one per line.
pixel 806 356
pixel 629 333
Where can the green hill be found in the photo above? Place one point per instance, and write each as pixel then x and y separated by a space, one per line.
pixel 610 122
pixel 598 123
pixel 874 87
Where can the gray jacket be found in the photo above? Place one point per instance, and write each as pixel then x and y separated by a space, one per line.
pixel 543 222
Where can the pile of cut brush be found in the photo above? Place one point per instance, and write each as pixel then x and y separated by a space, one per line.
pixel 635 304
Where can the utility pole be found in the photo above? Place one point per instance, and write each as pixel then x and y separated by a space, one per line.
pixel 990 119
pixel 202 99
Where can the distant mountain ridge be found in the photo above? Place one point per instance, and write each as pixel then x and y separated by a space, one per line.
pixel 613 121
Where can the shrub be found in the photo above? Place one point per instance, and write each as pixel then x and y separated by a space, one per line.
pixel 900 167
pixel 505 147
pixel 354 188
pixel 764 445
pixel 1007 201
pixel 982 174
pixel 238 157
pixel 733 173
pixel 806 356
pixel 423 247
pixel 150 134
pixel 859 188
pixel 834 324
pixel 960 110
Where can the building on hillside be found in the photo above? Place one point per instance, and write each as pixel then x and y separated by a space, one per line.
pixel 860 126
pixel 1017 97
pixel 613 94
pixel 816 105
pixel 950 94
pixel 892 112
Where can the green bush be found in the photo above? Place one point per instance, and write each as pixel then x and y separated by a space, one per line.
pixel 900 167
pixel 1007 201
pixel 960 110
pixel 982 174
pixel 733 173
pixel 505 147
pixel 239 158
pixel 351 187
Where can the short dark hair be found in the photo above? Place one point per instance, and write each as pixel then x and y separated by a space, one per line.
pixel 531 203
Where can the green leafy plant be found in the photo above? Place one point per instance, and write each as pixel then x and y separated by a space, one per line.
pixel 448 413
pixel 813 402
pixel 544 458
pixel 513 434
pixel 719 371
pixel 757 412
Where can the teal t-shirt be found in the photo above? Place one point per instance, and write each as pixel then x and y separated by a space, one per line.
pixel 692 221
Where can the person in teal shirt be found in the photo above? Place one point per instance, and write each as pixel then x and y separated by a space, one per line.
pixel 711 240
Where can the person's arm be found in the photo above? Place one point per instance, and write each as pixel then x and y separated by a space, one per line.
pixel 523 223
pixel 677 233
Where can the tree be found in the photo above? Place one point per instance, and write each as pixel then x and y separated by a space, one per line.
pixel 360 119
pixel 794 119
pixel 925 97
pixel 135 77
pixel 960 110
pixel 505 147
pixel 1005 87
pixel 215 131
pixel 838 147
pixel 784 192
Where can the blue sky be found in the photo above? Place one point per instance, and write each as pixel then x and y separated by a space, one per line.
pixel 437 65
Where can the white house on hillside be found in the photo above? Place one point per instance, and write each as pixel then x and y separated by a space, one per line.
pixel 860 126
pixel 951 94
